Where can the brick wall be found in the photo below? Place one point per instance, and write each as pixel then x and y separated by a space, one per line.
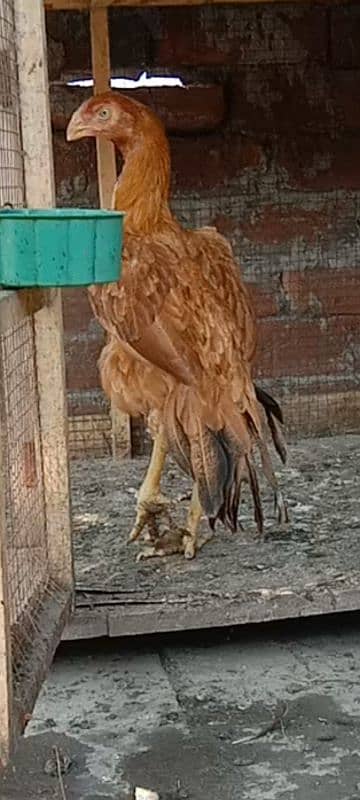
pixel 270 153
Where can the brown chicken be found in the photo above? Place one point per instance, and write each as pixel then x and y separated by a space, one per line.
pixel 181 335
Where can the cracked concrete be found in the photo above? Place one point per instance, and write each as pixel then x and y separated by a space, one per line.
pixel 164 714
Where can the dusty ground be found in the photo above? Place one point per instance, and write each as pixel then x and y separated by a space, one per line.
pixel 165 715
pixel 321 545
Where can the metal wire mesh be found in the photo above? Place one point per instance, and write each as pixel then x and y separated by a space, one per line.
pixel 30 594
pixel 26 526
pixel 307 351
pixel 11 162
pixel 90 435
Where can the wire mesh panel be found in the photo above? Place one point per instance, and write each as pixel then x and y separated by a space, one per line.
pixel 26 525
pixel 35 552
pixel 35 599
pixel 307 313
pixel 11 163
pixel 90 436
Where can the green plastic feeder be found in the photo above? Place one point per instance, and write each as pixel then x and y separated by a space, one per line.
pixel 59 247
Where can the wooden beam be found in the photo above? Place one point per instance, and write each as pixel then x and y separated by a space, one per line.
pixel 106 166
pixel 100 56
pixel 6 694
pixel 87 5
pixel 16 306
pixel 40 193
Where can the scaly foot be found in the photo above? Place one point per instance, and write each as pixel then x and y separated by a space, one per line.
pixel 148 509
pixel 168 543
pixel 172 542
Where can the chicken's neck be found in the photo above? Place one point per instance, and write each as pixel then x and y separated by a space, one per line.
pixel 142 188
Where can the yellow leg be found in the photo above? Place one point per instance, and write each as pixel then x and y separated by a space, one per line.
pixel 193 520
pixel 179 540
pixel 150 499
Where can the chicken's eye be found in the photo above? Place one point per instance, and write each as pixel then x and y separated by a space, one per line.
pixel 104 113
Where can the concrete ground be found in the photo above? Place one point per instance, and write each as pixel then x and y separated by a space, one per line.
pixel 252 714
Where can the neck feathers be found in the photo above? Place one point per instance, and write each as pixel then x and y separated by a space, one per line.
pixel 142 189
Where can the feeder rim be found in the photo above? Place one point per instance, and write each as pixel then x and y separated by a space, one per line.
pixel 58 213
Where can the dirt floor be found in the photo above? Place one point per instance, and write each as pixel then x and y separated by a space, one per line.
pixel 270 712
pixel 198 718
pixel 318 551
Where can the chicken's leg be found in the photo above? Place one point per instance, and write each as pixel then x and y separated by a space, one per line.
pixel 179 540
pixel 193 520
pixel 150 499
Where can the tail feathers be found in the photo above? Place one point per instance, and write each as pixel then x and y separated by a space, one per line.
pixel 255 491
pixel 278 438
pixel 201 454
pixel 270 405
pixel 275 420
pixel 211 468
pixel 179 443
pixel 238 475
pixel 221 461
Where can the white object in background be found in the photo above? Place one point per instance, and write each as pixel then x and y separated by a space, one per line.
pixel 129 83
pixel 145 794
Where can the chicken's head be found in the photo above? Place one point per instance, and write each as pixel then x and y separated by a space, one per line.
pixel 112 116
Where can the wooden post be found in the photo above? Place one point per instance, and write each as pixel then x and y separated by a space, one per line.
pixel 86 5
pixel 101 68
pixel 5 639
pixel 40 193
pixel 106 166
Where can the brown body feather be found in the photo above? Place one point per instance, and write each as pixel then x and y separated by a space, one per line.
pixel 181 328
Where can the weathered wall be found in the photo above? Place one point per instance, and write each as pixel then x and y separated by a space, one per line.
pixel 272 157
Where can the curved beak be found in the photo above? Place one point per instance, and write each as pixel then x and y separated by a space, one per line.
pixel 76 128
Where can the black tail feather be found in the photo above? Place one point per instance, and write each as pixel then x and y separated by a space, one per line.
pixel 275 420
pixel 254 486
pixel 220 461
pixel 270 405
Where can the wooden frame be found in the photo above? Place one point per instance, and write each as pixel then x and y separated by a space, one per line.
pixel 106 167
pixel 136 616
pixel 37 144
pixel 15 306
pixel 6 699
pixel 44 306
pixel 87 5
pixel 117 614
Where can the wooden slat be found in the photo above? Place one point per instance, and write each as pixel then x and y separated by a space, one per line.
pixel 40 193
pixel 87 5
pixel 16 306
pixel 106 166
pixel 6 704
pixel 100 56
pixel 117 619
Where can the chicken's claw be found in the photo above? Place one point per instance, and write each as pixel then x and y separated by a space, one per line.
pixel 172 542
pixel 169 543
pixel 280 509
pixel 147 511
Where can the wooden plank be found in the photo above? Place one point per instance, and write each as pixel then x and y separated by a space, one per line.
pixel 310 568
pixel 50 622
pixel 106 166
pixel 40 193
pixel 100 55
pixel 116 620
pixel 87 5
pixel 54 435
pixel 16 306
pixel 6 703
pixel 86 624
